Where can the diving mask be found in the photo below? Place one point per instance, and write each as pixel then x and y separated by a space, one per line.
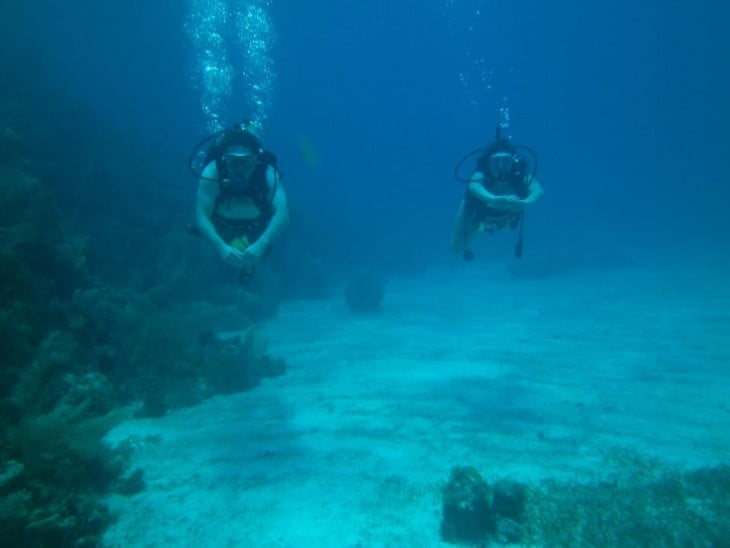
pixel 239 164
pixel 242 161
pixel 501 164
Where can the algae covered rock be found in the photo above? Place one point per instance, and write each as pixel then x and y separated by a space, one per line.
pixel 475 512
pixel 238 362
pixel 508 499
pixel 466 514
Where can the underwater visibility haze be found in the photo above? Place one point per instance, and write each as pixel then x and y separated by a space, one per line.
pixel 232 315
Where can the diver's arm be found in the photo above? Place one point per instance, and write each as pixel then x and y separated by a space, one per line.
pixel 279 219
pixel 535 191
pixel 476 188
pixel 204 204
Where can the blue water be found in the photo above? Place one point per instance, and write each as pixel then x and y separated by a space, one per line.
pixel 530 367
pixel 624 103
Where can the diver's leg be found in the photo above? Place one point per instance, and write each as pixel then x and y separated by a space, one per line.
pixel 463 232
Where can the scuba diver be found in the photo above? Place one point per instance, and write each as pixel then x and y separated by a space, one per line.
pixel 499 190
pixel 241 206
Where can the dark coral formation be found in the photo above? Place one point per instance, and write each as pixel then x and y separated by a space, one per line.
pixel 466 513
pixel 640 503
pixel 474 512
pixel 646 504
pixel 104 310
pixel 53 462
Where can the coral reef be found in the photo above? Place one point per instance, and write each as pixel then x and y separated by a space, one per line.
pixel 239 363
pixel 475 512
pixel 54 467
pixel 466 515
pixel 642 502
pixel 96 323
pixel 647 504
pixel 53 463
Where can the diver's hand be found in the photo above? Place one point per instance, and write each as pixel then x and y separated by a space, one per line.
pixel 509 203
pixel 518 205
pixel 232 256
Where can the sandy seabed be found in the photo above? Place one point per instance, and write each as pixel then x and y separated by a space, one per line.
pixel 544 376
